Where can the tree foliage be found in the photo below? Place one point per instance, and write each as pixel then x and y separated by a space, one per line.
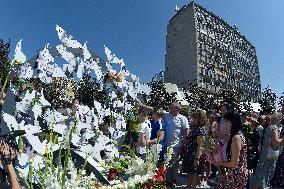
pixel 89 90
pixel 4 62
pixel 268 101
pixel 200 98
pixel 159 98
pixel 231 98
pixel 281 100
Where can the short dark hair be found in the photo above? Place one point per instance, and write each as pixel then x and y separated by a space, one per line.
pixel 159 112
pixel 176 104
pixel 143 112
pixel 227 106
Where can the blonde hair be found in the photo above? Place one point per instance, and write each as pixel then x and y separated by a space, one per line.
pixel 275 116
pixel 200 117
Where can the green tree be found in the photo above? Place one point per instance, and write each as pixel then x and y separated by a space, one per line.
pixel 4 64
pixel 230 97
pixel 159 98
pixel 268 101
pixel 89 90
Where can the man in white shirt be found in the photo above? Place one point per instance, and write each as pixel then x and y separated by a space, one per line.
pixel 176 133
pixel 144 134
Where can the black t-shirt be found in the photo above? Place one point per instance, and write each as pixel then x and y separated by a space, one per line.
pixel 4 185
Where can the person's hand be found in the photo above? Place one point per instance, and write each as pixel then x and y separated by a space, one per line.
pixel 195 163
pixel 2 96
pixel 1 102
pixel 217 163
pixel 7 153
pixel 135 144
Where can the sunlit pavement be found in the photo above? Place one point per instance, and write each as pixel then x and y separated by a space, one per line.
pixel 182 181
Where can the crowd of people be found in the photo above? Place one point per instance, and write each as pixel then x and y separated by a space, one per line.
pixel 246 151
pixel 247 147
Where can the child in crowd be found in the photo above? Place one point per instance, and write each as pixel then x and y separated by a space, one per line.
pixel 157 133
pixel 144 134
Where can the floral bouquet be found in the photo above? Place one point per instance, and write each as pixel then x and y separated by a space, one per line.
pixel 211 150
pixel 118 169
pixel 248 130
pixel 213 153
pixel 157 181
pixel 130 171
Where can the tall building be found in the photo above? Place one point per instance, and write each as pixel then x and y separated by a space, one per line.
pixel 203 48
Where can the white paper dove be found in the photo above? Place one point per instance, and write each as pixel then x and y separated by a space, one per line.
pixel 67 40
pixel 44 58
pixel 112 59
pixel 37 109
pixel 78 62
pixel 52 116
pixel 13 124
pixel 68 57
pixel 86 54
pixel 19 56
pixel 25 105
pixel 25 71
pixel 97 69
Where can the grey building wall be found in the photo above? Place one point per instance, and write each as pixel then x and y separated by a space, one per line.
pixel 181 48
pixel 204 48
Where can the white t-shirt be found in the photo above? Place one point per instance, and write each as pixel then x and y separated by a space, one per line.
pixel 174 127
pixel 145 128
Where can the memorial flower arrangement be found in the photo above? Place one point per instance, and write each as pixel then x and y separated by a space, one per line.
pixel 132 172
pixel 64 142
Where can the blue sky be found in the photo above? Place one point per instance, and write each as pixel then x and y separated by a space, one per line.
pixel 136 29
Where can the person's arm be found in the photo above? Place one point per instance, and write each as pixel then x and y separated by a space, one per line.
pixel 235 149
pixel 142 140
pixel 10 154
pixel 223 136
pixel 275 138
pixel 200 142
pixel 213 130
pixel 160 137
pixel 259 136
pixel 185 130
pixel 185 133
pixel 13 177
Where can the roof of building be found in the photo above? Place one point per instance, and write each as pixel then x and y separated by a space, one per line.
pixel 172 88
pixel 193 4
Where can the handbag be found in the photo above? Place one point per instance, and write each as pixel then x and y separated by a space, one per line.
pixel 271 153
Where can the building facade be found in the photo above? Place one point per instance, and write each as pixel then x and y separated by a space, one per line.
pixel 203 48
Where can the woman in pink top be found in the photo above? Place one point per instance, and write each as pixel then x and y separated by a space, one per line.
pixel 223 136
